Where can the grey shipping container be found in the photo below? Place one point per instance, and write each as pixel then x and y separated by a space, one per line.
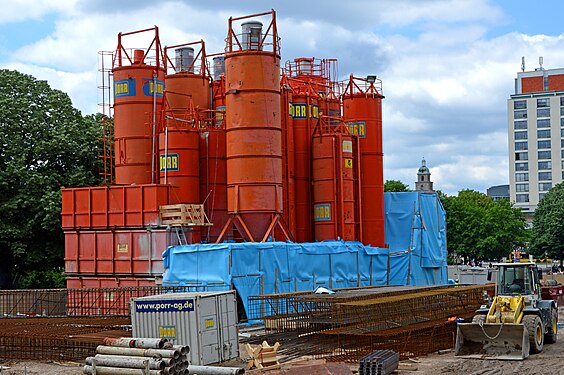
pixel 205 321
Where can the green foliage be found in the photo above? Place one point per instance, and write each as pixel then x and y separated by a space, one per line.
pixel 478 227
pixel 395 186
pixel 46 145
pixel 43 279
pixel 548 225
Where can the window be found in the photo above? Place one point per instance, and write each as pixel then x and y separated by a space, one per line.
pixel 521 166
pixel 525 155
pixel 521 177
pixel 544 133
pixel 545 186
pixel 543 103
pixel 521 135
pixel 562 132
pixel 545 176
pixel 520 124
pixel 562 100
pixel 544 155
pixel 543 123
pixel 520 114
pixel 521 146
pixel 543 144
pixel 522 188
pixel 562 143
pixel 522 198
pixel 543 112
pixel 562 154
pixel 561 110
pixel 541 196
pixel 522 104
pixel 563 175
pixel 545 165
pixel 562 164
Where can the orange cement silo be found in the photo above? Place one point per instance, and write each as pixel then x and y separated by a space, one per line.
pixel 333 175
pixel 190 77
pixel 288 157
pixel 187 93
pixel 305 114
pixel 213 163
pixel 213 180
pixel 253 126
pixel 362 106
pixel 138 97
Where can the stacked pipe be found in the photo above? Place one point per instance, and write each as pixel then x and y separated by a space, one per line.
pixel 127 355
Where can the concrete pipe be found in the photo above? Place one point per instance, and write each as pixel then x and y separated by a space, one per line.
pixel 215 370
pixel 123 342
pixel 113 350
pixel 151 343
pixel 101 370
pixel 125 362
pixel 184 349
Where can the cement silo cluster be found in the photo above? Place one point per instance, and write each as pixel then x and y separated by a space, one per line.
pixel 233 147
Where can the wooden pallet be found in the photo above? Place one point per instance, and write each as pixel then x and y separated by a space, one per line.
pixel 184 215
pixel 262 356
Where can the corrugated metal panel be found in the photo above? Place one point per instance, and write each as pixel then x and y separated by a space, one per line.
pixel 204 321
pixel 134 252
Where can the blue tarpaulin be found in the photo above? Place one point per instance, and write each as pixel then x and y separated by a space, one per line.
pixel 415 232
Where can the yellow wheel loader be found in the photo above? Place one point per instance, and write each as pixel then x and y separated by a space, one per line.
pixel 515 323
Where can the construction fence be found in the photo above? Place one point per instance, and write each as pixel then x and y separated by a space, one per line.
pixel 65 324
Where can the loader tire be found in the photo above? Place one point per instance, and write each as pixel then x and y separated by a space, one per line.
pixel 481 318
pixel 533 324
pixel 552 329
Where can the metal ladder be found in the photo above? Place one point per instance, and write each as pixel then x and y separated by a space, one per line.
pixel 180 236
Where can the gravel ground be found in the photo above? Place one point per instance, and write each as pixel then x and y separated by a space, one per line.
pixel 549 362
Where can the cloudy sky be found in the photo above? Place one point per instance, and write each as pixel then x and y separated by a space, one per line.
pixel 447 66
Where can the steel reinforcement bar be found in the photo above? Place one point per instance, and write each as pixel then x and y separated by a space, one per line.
pixel 74 302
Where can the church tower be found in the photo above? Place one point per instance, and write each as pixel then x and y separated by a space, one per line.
pixel 424 182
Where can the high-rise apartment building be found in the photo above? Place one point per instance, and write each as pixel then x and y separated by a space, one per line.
pixel 536 136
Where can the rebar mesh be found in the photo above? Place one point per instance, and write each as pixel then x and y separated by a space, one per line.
pixel 69 339
pixel 75 302
pixel 354 322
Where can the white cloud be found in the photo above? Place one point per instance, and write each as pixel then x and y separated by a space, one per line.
pixel 446 82
pixel 21 10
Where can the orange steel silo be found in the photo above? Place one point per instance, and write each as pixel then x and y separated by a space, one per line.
pixel 305 113
pixel 362 106
pixel 213 163
pixel 190 81
pixel 288 157
pixel 138 97
pixel 179 153
pixel 218 90
pixel 187 92
pixel 333 176
pixel 253 126
pixel 213 180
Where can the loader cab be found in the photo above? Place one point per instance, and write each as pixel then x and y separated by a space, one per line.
pixel 517 279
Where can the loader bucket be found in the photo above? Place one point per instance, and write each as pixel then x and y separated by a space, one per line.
pixel 492 341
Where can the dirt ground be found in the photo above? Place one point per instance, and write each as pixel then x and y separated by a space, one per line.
pixel 549 362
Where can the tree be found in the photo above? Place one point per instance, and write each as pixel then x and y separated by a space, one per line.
pixel 478 227
pixel 46 145
pixel 395 186
pixel 548 225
